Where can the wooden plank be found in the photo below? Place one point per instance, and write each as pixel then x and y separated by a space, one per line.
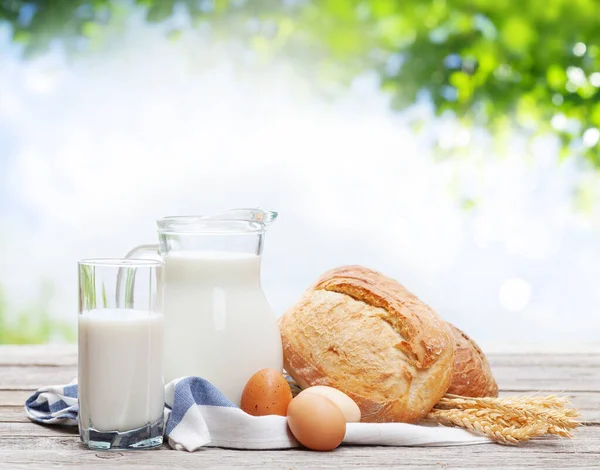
pixel 544 372
pixel 18 377
pixel 30 429
pixel 567 359
pixel 44 452
pixel 14 397
pixel 547 379
pixel 67 355
pixel 503 364
pixel 547 372
pixel 539 347
pixel 47 354
pixel 517 378
pixel 13 414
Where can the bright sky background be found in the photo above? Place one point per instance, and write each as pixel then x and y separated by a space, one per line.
pixel 93 151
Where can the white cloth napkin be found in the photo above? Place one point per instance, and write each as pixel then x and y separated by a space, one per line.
pixel 197 415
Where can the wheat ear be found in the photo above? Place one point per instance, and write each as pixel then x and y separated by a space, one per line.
pixel 508 420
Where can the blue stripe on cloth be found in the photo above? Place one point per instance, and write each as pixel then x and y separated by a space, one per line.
pixel 58 406
pixel 70 391
pixel 59 417
pixel 42 406
pixel 72 414
pixel 194 391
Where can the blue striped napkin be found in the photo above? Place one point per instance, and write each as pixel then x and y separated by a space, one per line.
pixel 197 415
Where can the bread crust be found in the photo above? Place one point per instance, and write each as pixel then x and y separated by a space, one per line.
pixel 472 373
pixel 365 334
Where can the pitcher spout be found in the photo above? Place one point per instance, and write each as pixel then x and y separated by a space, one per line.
pixel 249 215
pixel 264 217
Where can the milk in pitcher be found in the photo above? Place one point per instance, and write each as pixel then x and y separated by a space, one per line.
pixel 218 323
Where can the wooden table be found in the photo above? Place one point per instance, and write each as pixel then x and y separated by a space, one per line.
pixel 27 445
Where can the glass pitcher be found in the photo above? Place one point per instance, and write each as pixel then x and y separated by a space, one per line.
pixel 218 323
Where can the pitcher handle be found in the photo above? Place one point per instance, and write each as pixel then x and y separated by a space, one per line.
pixel 145 251
pixel 139 252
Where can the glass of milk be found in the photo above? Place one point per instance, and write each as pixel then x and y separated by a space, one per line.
pixel 120 368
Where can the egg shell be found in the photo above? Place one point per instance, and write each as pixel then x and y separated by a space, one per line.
pixel 348 406
pixel 316 421
pixel 266 393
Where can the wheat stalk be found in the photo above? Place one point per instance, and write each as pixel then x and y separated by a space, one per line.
pixel 508 420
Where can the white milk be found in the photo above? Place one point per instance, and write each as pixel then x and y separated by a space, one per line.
pixel 218 323
pixel 120 368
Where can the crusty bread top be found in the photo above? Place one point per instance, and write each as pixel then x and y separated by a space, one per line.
pixel 472 373
pixel 363 333
pixel 421 344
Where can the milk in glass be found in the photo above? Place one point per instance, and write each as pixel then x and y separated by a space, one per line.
pixel 121 363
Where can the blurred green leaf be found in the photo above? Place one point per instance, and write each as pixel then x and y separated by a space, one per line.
pixel 159 10
pixel 469 204
pixel 33 325
pixel 486 61
pixel 556 77
pixel 518 34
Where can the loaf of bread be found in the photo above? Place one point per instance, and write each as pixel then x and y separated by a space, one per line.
pixel 363 333
pixel 472 374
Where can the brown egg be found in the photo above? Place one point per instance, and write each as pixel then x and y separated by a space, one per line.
pixel 349 408
pixel 266 393
pixel 316 421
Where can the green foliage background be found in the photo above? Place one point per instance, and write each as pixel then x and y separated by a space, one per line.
pixel 492 63
pixel 33 325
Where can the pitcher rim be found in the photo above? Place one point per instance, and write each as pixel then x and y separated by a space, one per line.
pixel 198 224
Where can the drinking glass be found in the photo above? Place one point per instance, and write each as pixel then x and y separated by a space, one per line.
pixel 120 369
